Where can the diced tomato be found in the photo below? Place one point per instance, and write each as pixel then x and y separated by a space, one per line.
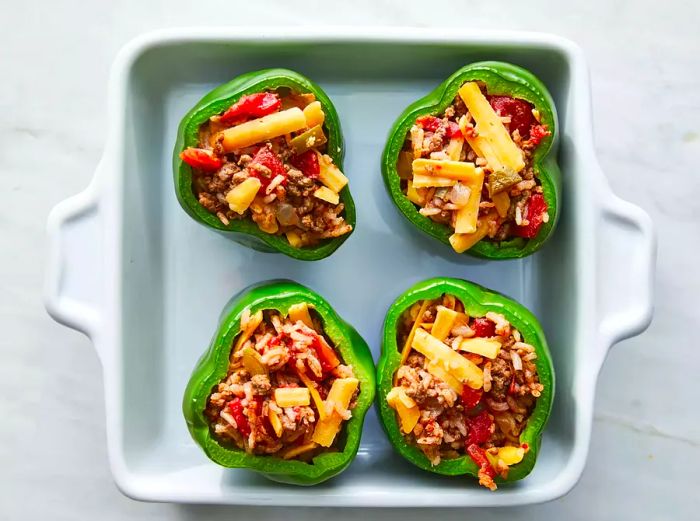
pixel 479 428
pixel 471 397
pixel 307 162
pixel 325 354
pixel 235 407
pixel 538 133
pixel 329 360
pixel 432 124
pixel 201 159
pixel 429 123
pixel 453 130
pixel 478 456
pixel 251 106
pixel 278 340
pixel 483 327
pixel 519 111
pixel 257 406
pixel 267 158
pixel 534 213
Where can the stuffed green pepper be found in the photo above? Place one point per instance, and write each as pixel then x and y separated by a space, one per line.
pixel 260 160
pixel 471 164
pixel 284 387
pixel 465 381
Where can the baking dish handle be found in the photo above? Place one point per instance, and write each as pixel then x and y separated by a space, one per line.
pixel 626 260
pixel 74 274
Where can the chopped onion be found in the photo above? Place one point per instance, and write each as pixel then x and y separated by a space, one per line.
pixel 286 215
pixel 514 406
pixel 442 193
pixel 459 194
pixel 496 406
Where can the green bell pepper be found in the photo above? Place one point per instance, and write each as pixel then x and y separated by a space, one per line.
pixel 213 367
pixel 501 79
pixel 245 231
pixel 477 302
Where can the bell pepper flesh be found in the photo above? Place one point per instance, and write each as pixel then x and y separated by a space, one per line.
pixel 501 79
pixel 213 366
pixel 219 100
pixel 477 302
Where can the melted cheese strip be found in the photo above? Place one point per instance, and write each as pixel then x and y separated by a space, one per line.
pixel 409 340
pixel 461 242
pixel 448 359
pixel 315 396
pixel 262 129
pixel 253 323
pixel 339 396
pixel 457 170
pixel 467 216
pixel 405 406
pixel 444 320
pixel 314 115
pixel 492 141
pixel 300 312
pixel 428 181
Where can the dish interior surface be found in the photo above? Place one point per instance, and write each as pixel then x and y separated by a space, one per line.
pixel 177 275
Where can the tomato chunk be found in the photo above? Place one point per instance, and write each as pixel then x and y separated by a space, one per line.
pixel 272 164
pixel 235 407
pixel 329 360
pixel 453 130
pixel 432 124
pixel 471 397
pixel 478 456
pixel 479 428
pixel 538 133
pixel 251 106
pixel 534 213
pixel 429 123
pixel 307 163
pixel 519 111
pixel 201 159
pixel 483 327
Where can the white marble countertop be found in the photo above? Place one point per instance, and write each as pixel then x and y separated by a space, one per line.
pixel 54 61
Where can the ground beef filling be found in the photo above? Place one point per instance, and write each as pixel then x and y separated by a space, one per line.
pixel 511 203
pixel 447 418
pixel 266 403
pixel 293 197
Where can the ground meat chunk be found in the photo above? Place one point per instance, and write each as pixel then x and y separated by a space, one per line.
pixel 500 378
pixel 504 232
pixel 218 184
pixel 298 185
pixel 209 202
pixel 437 140
pixel 227 171
pixel 261 384
pixel 460 109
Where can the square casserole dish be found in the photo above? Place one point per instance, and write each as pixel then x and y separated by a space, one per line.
pixel 146 283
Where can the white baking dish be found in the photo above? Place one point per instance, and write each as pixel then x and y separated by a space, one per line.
pixel 130 269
